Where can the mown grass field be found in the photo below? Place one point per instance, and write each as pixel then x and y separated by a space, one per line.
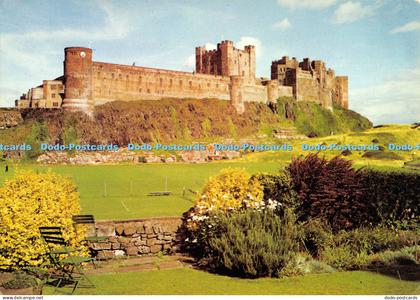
pixel 120 191
pixel 186 281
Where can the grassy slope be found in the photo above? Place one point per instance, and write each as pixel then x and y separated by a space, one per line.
pixel 183 120
pixel 311 118
pixel 398 134
pixel 189 281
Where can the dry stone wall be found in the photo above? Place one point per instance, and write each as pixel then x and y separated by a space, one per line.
pixel 137 237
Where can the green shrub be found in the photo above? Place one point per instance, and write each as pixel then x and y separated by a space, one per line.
pixel 329 190
pixel 278 187
pixel 316 235
pixel 374 239
pixel 356 248
pixel 302 264
pixel 343 258
pixel 393 198
pixel 317 267
pixel 249 243
pixel 405 256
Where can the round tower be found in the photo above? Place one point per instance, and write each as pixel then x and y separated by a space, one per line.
pixel 78 79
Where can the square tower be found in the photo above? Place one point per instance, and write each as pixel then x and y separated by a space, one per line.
pixel 226 60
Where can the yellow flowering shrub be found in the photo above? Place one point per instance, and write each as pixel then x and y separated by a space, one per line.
pixel 230 190
pixel 27 202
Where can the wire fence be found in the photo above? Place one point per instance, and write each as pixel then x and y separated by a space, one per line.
pixel 138 188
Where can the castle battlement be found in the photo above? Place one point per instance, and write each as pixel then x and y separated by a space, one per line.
pixel 225 73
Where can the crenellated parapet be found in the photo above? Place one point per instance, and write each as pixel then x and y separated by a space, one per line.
pixel 311 81
pixel 225 73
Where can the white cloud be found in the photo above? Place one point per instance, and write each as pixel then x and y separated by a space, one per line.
pixel 249 40
pixel 282 25
pixel 352 11
pixel 395 100
pixel 411 26
pixel 309 4
pixel 190 62
pixel 31 52
pixel 210 46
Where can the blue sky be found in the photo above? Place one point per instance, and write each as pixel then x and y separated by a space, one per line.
pixel 376 43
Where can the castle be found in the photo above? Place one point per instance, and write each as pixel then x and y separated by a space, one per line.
pixel 225 73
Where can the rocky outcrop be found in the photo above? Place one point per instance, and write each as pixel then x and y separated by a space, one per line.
pixel 9 118
pixel 287 133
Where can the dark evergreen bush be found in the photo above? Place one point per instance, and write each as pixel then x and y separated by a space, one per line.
pixel 393 198
pixel 328 190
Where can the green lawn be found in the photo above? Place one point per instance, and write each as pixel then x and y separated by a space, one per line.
pixel 120 191
pixel 190 281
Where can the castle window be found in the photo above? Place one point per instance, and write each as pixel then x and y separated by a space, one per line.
pixel 148 91
pixel 190 83
pixel 53 87
pixel 170 82
pixel 160 81
pixel 180 83
pixel 120 76
pixel 140 79
pixel 52 95
pixel 55 104
pixel 113 75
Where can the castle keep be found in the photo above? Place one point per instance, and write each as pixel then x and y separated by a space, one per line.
pixel 225 73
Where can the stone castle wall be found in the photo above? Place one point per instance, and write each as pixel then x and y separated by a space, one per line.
pixel 128 83
pixel 137 237
pixel 311 81
pixel 225 73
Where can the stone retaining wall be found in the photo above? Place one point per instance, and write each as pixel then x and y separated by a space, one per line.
pixel 137 237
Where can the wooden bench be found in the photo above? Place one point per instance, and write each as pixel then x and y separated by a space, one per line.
pixel 159 194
